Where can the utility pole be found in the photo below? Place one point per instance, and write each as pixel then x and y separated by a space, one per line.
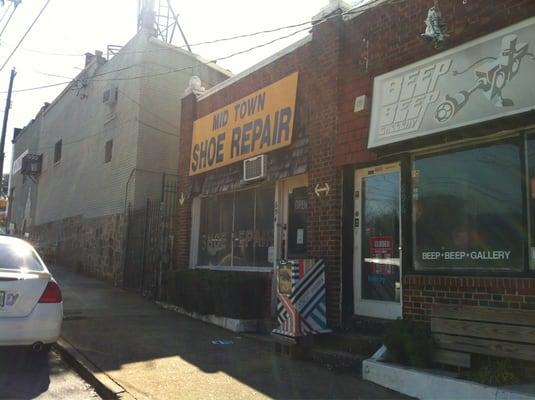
pixel 4 126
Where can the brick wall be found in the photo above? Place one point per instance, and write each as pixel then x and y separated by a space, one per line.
pixel 387 37
pixel 184 187
pixel 324 219
pixel 420 293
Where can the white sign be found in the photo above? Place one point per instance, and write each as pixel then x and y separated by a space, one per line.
pixel 484 79
pixel 300 236
pixel 17 164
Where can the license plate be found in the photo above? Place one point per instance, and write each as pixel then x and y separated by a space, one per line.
pixel 2 298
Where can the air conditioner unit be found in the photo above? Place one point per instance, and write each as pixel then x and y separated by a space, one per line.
pixel 109 97
pixel 254 168
pixel 32 164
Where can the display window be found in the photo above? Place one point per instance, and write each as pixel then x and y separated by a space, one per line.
pixel 236 229
pixel 468 208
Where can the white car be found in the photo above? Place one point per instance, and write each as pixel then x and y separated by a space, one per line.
pixel 31 306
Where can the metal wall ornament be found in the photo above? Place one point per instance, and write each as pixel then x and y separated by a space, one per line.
pixel 435 28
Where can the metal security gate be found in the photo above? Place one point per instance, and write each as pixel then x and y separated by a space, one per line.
pixel 149 241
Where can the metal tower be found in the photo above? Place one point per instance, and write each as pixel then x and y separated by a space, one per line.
pixel 160 16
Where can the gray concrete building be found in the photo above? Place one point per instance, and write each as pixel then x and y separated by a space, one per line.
pixel 106 141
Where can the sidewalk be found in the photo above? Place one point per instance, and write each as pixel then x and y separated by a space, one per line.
pixel 154 353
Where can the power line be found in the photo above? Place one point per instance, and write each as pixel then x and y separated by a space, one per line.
pixel 213 41
pixel 25 34
pixel 5 13
pixel 9 19
pixel 213 61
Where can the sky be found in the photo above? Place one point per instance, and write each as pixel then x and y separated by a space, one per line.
pixel 69 28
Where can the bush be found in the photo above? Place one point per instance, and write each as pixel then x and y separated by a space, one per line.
pixel 240 295
pixel 495 372
pixel 410 343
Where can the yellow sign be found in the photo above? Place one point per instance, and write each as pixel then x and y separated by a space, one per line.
pixel 256 124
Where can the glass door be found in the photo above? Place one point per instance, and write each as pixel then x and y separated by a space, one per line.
pixel 377 263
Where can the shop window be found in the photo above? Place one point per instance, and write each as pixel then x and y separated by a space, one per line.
pixel 468 209
pixel 236 229
pixel 531 191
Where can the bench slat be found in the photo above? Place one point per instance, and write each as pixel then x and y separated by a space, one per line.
pixel 485 330
pixel 488 347
pixel 454 358
pixel 484 314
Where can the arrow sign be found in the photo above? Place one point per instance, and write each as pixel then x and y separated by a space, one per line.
pixel 182 198
pixel 318 189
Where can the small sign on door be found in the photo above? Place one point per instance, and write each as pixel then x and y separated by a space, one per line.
pixel 300 236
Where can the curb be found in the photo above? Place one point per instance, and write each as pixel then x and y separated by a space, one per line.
pixel 106 387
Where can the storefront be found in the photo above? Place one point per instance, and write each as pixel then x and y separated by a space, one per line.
pixel 257 180
pixel 239 226
pixel 423 197
pixel 449 216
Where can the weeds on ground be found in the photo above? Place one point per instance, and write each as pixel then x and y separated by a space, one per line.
pixel 410 343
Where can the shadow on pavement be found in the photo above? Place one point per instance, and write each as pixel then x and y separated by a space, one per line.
pixel 160 354
pixel 23 374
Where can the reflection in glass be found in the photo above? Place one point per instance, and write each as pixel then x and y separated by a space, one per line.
pixel 467 209
pixel 237 228
pixel 380 237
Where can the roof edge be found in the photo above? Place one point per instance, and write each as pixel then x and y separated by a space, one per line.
pixel 254 68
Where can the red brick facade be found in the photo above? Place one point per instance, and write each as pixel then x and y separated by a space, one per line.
pixel 386 38
pixel 316 119
pixel 336 66
pixel 421 292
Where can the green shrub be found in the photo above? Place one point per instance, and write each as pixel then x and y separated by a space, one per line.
pixel 240 295
pixel 410 343
pixel 495 372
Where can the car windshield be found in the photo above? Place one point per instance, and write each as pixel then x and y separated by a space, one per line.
pixel 19 256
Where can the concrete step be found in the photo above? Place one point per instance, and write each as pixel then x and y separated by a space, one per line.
pixel 352 343
pixel 337 360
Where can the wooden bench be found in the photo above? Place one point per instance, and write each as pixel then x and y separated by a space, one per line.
pixel 461 330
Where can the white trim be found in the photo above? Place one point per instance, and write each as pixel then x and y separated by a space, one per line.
pixel 254 68
pixel 424 384
pixel 235 268
pixel 365 307
pixel 195 229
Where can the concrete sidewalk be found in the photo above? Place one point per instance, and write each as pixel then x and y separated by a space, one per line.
pixel 154 353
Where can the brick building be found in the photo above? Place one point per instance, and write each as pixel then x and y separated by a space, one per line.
pixel 464 186
pixel 424 149
pixel 246 237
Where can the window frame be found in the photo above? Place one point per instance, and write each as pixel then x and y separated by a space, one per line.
pixel 521 137
pixel 58 151
pixel 108 151
pixel 196 231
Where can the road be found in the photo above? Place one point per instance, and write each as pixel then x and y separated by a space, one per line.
pixel 25 375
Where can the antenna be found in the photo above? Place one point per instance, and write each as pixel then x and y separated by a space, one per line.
pixel 158 15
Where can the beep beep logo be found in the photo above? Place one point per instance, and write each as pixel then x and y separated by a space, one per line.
pixel 406 98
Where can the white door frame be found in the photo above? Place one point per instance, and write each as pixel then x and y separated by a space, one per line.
pixel 365 307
